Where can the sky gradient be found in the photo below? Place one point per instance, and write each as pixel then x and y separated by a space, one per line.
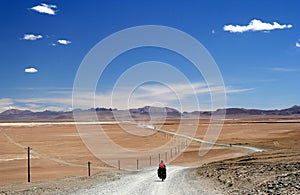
pixel 256 45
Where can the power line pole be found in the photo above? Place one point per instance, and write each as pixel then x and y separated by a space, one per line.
pixel 28 165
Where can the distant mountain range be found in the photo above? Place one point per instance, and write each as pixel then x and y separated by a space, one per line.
pixel 295 110
pixel 27 115
pixel 144 113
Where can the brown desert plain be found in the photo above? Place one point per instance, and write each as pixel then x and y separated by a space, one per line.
pixel 59 157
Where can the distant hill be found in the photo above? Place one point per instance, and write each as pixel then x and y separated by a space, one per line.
pixel 143 113
pixel 170 112
pixel 27 115
pixel 16 112
pixel 242 111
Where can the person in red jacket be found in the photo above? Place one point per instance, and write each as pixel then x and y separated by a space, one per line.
pixel 162 172
pixel 162 165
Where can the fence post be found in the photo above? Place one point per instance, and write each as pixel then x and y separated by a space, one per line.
pixel 150 160
pixel 137 164
pixel 166 156
pixel 171 152
pixel 119 165
pixel 89 168
pixel 159 158
pixel 28 164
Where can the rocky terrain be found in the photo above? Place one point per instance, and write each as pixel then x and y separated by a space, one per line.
pixel 60 186
pixel 275 172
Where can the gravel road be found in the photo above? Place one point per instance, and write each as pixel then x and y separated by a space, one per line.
pixel 147 182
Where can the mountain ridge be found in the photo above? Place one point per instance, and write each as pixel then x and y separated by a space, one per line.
pixel 146 111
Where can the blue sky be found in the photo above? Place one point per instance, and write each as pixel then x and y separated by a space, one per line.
pixel 256 45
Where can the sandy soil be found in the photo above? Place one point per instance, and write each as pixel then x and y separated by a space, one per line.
pixel 263 133
pixel 58 152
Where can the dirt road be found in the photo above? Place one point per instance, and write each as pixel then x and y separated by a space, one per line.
pixel 147 182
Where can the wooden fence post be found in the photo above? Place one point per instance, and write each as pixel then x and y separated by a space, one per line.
pixel 89 168
pixel 28 164
pixel 166 156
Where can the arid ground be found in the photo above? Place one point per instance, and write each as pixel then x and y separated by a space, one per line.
pixel 59 153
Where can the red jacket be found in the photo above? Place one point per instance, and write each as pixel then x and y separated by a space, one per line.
pixel 162 165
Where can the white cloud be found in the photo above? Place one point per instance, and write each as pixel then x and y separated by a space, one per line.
pixel 45 8
pixel 41 107
pixel 6 104
pixel 187 90
pixel 31 70
pixel 173 95
pixel 230 90
pixel 32 37
pixel 47 100
pixel 150 94
pixel 279 69
pixel 298 44
pixel 255 25
pixel 63 42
